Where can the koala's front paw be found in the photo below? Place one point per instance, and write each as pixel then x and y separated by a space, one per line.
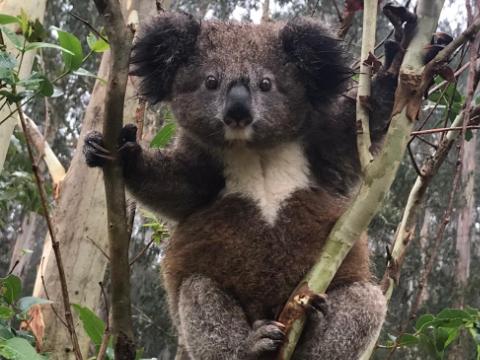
pixel 96 155
pixel 128 148
pixel 265 336
pixel 94 151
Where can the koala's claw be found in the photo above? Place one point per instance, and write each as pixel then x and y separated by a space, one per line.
pixel 266 336
pixel 95 153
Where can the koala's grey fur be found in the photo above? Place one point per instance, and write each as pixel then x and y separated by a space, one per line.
pixel 254 208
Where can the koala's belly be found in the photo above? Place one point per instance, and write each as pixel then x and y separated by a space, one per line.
pixel 257 263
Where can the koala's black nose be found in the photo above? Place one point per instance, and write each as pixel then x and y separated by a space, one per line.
pixel 238 107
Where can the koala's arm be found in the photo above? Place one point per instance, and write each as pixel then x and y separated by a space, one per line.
pixel 214 326
pixel 173 182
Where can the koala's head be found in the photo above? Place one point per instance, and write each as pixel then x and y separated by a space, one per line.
pixel 231 82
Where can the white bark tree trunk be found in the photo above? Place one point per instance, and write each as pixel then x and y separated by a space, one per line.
pixel 35 9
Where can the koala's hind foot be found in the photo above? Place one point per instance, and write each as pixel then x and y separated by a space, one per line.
pixel 354 317
pixel 213 326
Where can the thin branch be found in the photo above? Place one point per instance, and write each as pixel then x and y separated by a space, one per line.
pixel 94 243
pixel 140 254
pixel 444 130
pixel 90 26
pixel 13 267
pixel 55 243
pixel 51 305
pixel 120 37
pixel 102 351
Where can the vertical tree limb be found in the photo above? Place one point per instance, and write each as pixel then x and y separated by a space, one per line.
pixel 55 244
pixel 120 39
pixel 379 175
pixel 364 83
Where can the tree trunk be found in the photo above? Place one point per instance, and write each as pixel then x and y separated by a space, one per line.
pixel 35 9
pixel 465 220
pixel 27 249
pixel 80 221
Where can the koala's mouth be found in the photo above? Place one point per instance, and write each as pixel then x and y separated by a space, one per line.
pixel 238 134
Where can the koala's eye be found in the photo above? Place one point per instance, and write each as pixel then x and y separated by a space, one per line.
pixel 211 83
pixel 265 84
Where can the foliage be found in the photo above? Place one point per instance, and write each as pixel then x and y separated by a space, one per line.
pixel 159 229
pixel 16 344
pixel 166 133
pixel 435 333
pixel 29 38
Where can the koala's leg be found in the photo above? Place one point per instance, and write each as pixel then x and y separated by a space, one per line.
pixel 214 326
pixel 354 317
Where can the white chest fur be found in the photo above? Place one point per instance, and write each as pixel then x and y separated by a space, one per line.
pixel 267 177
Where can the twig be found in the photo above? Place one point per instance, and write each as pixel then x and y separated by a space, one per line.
pixel 51 305
pixel 94 243
pixel 106 334
pixel 13 267
pixel 443 130
pixel 412 158
pixel 55 244
pixel 140 254
pixel 90 26
pixel 339 14
pixel 120 37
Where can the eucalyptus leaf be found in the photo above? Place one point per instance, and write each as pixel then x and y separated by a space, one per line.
pixel 18 349
pixel 72 43
pixel 97 44
pixel 163 136
pixel 93 325
pixel 11 288
pixel 43 45
pixel 8 19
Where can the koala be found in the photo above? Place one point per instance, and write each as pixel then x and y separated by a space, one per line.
pixel 263 164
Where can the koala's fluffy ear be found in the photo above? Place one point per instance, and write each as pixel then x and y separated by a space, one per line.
pixel 320 57
pixel 163 45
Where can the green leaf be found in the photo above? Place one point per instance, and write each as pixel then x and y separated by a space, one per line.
pixel 71 43
pixel 8 19
pixel 43 45
pixel 454 314
pixel 17 40
pixel 25 303
pixel 93 325
pixel 84 72
pixel 24 25
pixel 7 67
pixel 5 332
pixel 163 136
pixel 97 44
pixel 11 98
pixel 452 336
pixel 18 349
pixel 407 340
pixel 423 321
pixel 11 287
pixel 37 32
pixel 6 313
